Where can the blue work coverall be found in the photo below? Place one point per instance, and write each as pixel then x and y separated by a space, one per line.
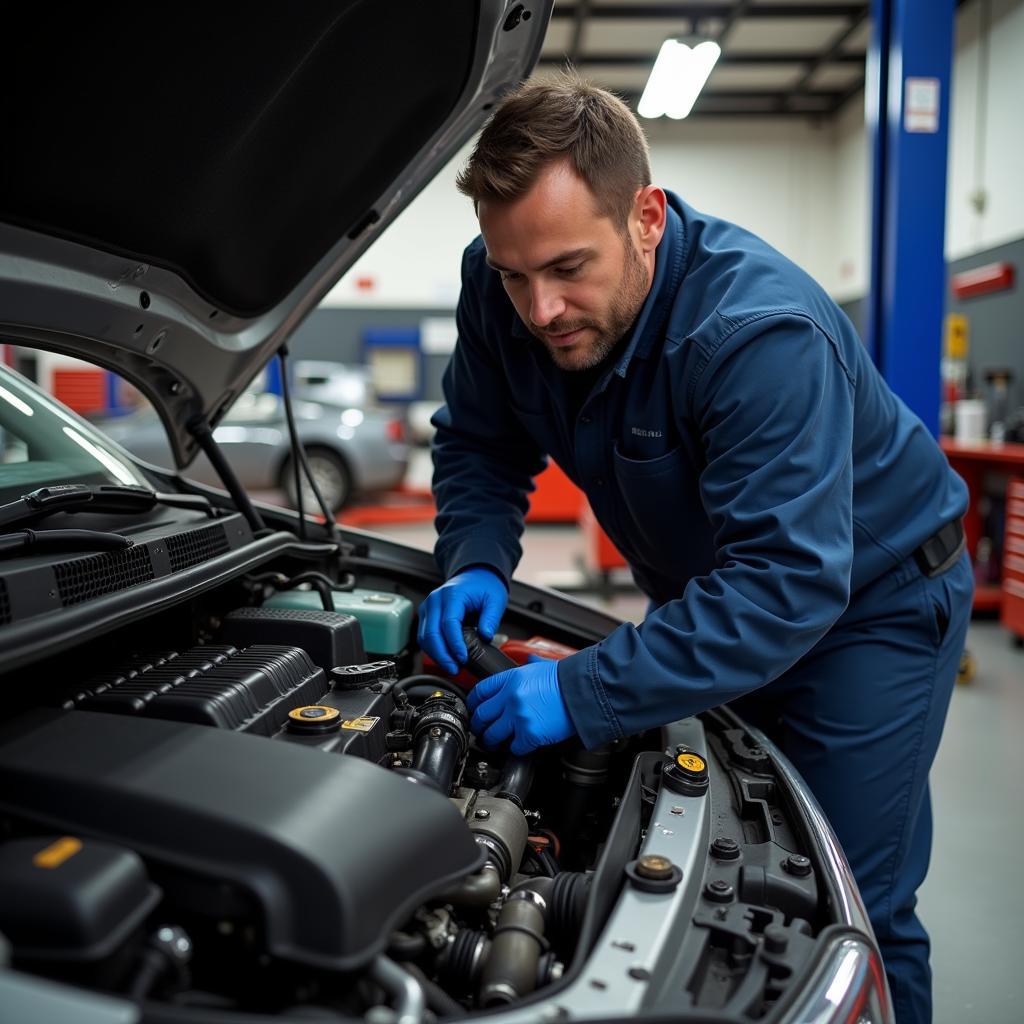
pixel 768 492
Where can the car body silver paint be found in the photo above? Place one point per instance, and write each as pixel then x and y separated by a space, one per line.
pixel 644 929
pixel 65 297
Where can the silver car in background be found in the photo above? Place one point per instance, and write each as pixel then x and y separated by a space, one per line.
pixel 352 451
pixel 323 380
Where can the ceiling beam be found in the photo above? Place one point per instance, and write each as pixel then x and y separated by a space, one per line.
pixel 620 60
pixel 740 10
pixel 846 95
pixel 830 55
pixel 785 102
pixel 716 11
pixel 581 13
pixel 761 104
pixel 699 113
pixel 759 97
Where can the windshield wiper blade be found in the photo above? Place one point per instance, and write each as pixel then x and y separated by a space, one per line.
pixel 61 540
pixel 47 501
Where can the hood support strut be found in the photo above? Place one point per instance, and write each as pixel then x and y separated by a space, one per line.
pixel 201 431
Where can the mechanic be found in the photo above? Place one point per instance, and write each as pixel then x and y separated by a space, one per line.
pixel 796 528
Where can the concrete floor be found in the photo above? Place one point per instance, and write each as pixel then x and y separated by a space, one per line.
pixel 973 899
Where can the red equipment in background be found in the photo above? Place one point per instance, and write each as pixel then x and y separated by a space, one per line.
pixel 993 277
pixel 556 498
pixel 973 460
pixel 1012 606
pixel 83 390
pixel 518 650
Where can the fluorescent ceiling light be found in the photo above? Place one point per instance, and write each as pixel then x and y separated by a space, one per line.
pixel 677 78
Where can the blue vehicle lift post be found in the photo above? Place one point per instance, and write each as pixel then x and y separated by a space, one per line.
pixel 908 85
pixel 273 378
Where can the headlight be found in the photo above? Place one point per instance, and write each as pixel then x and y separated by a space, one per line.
pixel 849 987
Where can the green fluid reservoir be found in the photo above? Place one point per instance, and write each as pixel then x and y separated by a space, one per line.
pixel 385 619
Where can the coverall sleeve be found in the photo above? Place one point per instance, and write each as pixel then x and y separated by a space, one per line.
pixel 484 459
pixel 774 406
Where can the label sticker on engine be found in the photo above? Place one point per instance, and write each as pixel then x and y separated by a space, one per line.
pixel 360 724
pixel 56 853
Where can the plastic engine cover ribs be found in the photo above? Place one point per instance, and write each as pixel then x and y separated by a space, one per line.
pixel 249 690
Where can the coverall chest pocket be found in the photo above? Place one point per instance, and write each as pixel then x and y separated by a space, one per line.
pixel 663 502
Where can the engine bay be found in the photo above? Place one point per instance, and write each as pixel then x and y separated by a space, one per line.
pixel 265 800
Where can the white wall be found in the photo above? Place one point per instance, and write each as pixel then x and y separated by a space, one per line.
pixel 804 189
pixel 850 242
pixel 997 136
pixel 986 149
pixel 774 177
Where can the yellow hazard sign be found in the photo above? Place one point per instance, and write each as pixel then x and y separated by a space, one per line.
pixel 958 336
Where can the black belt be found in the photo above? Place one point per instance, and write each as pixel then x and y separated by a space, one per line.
pixel 941 550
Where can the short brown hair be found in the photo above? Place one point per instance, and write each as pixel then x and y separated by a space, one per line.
pixel 543 121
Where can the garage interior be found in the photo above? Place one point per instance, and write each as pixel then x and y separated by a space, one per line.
pixel 780 140
pixel 786 71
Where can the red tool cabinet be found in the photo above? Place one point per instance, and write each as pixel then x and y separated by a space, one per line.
pixel 1011 609
pixel 973 460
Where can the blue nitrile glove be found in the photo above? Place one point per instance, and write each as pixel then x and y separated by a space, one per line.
pixel 442 613
pixel 523 704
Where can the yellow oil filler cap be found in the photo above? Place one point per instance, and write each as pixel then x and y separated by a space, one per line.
pixel 686 773
pixel 313 718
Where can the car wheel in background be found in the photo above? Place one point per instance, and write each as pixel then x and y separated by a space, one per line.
pixel 332 477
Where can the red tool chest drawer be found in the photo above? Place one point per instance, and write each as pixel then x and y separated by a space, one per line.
pixel 1012 606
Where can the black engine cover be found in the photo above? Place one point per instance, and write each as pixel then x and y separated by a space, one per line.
pixel 336 851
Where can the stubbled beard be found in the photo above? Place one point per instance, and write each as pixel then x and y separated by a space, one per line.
pixel 622 313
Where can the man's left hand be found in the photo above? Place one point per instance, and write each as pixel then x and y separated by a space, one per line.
pixel 523 704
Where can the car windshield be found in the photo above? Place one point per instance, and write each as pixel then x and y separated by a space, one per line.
pixel 42 443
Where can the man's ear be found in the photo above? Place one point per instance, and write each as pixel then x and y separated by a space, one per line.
pixel 648 217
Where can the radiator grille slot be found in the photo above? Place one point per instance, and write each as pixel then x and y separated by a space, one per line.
pixel 82 579
pixel 187 549
pixel 5 604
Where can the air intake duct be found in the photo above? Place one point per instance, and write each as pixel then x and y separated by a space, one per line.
pixel 440 738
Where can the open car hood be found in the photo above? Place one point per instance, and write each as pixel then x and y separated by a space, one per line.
pixel 178 190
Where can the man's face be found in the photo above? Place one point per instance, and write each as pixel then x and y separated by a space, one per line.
pixel 576 279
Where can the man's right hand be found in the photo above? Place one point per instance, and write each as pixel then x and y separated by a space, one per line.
pixel 441 615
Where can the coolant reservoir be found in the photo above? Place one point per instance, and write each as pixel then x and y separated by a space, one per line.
pixel 385 619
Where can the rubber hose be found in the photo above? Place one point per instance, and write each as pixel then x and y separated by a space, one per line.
pixel 477 890
pixel 437 999
pixel 403 946
pixel 407 683
pixel 511 969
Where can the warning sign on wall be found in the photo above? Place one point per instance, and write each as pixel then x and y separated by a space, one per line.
pixel 921 105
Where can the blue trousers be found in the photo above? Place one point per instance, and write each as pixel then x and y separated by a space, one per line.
pixel 860 716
